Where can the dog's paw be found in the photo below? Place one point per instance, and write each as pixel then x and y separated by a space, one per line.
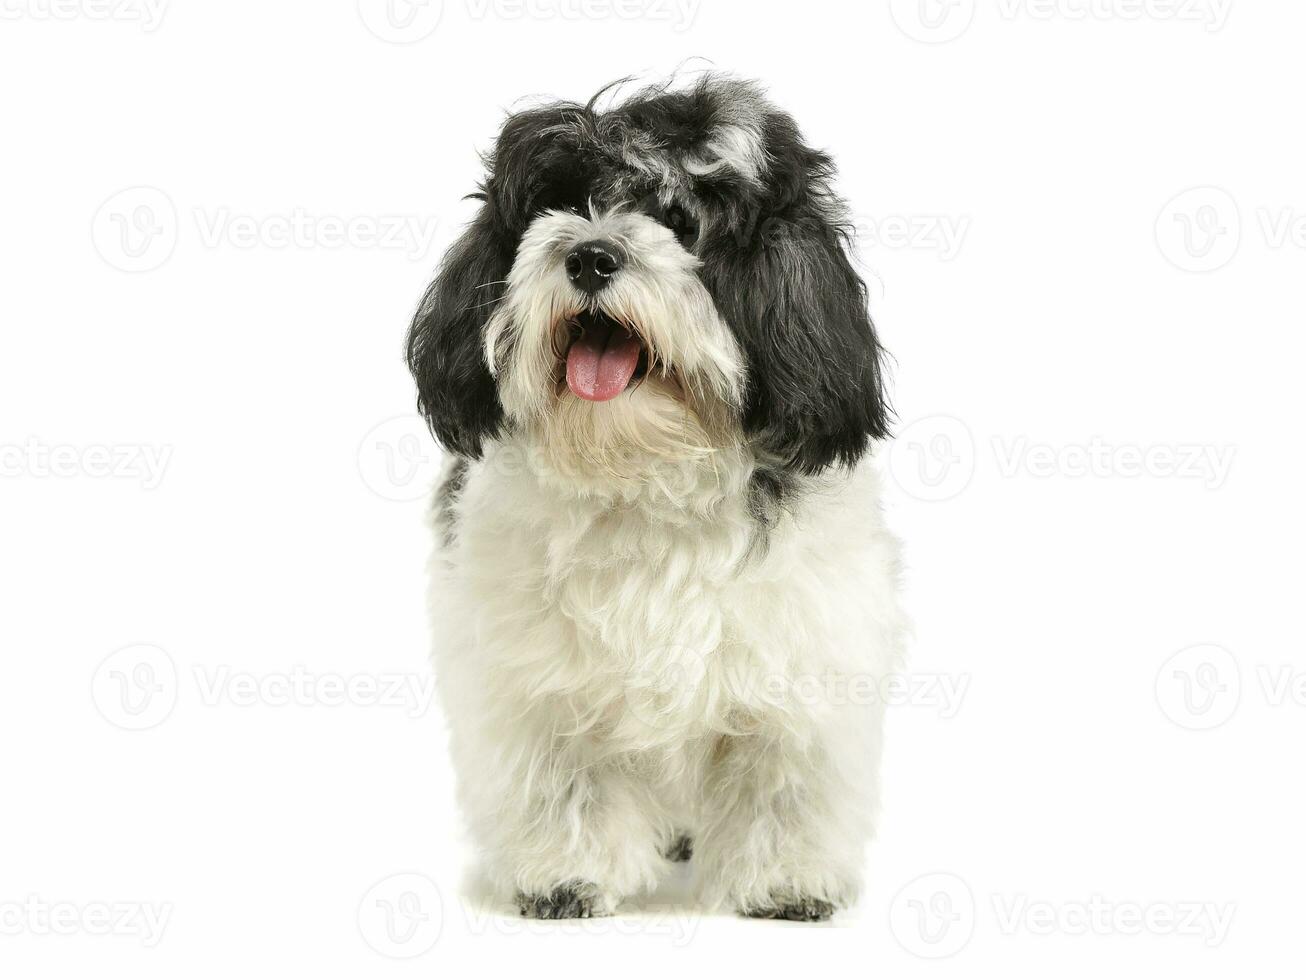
pixel 795 910
pixel 680 849
pixel 573 900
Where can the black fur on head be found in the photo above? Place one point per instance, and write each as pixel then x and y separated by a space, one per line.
pixel 733 178
pixel 445 343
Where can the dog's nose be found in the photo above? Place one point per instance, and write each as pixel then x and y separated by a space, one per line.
pixel 591 265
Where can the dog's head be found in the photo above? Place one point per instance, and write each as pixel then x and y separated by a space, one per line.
pixel 668 276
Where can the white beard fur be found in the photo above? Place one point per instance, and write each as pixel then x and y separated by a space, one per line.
pixel 617 658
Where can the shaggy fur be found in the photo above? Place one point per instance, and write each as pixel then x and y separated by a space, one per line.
pixel 658 617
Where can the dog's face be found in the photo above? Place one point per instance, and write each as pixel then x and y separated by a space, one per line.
pixel 665 277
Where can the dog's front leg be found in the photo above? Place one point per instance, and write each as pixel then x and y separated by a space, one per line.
pixel 787 818
pixel 572 832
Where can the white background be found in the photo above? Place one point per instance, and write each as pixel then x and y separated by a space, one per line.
pixel 210 463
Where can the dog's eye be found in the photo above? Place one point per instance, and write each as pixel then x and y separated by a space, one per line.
pixel 682 223
pixel 567 204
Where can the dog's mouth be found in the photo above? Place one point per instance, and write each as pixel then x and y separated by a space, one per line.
pixel 604 357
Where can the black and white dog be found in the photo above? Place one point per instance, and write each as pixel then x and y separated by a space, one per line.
pixel 664 595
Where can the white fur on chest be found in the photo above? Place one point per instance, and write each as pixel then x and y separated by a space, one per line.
pixel 658 615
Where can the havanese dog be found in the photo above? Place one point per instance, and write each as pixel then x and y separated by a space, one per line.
pixel 664 596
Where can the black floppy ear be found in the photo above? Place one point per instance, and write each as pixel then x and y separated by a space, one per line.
pixel 815 391
pixel 446 342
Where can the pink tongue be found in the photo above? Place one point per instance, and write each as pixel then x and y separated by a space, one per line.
pixel 599 368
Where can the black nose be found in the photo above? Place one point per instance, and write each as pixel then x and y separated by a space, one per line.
pixel 591 265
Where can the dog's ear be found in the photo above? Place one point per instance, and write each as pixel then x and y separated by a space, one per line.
pixel 815 391
pixel 446 342
pixel 531 160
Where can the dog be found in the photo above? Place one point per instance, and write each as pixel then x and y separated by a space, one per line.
pixel 663 591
